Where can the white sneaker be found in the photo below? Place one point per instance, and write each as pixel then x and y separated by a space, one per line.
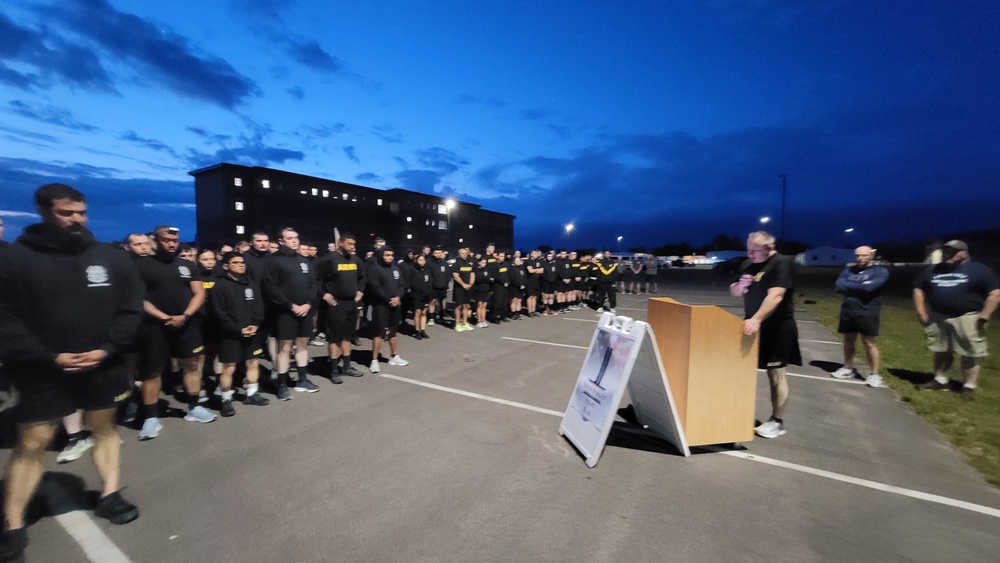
pixel 75 449
pixel 874 380
pixel 843 373
pixel 374 367
pixel 770 429
pixel 397 361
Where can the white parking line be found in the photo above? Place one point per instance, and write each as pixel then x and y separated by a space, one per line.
pixel 820 341
pixel 545 343
pixel 821 378
pixel 581 320
pixel 910 493
pixel 97 546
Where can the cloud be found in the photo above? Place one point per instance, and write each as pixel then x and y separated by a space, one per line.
pixel 209 136
pixel 310 54
pixel 153 144
pixel 422 181
pixel 368 177
pixel 296 92
pixel 53 59
pixel 535 114
pixel 467 100
pixel 387 133
pixel 441 160
pixel 157 54
pixel 349 151
pixel 49 114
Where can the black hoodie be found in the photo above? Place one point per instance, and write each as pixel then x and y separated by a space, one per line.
pixel 61 292
pixel 236 304
pixel 420 280
pixel 289 280
pixel 384 281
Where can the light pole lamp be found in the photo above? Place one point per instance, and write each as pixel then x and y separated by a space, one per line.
pixel 620 246
pixel 449 204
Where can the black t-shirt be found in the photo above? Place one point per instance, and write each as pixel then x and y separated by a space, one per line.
pixel 463 268
pixel 168 283
pixel 776 271
pixel 959 290
pixel 536 264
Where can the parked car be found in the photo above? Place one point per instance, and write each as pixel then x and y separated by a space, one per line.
pixel 729 267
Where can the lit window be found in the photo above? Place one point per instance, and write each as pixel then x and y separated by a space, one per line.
pixel 461 240
pixel 442 225
pixel 266 184
pixel 240 230
pixel 408 219
pixel 239 206
pixel 237 181
pixel 315 191
pixel 443 209
pixel 326 193
pixel 408 237
pixel 470 226
pixel 303 192
pixel 378 201
pixel 345 197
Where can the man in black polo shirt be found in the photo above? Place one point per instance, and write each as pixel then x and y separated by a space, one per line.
pixel 170 329
pixel 68 307
pixel 767 283
pixel 341 278
pixel 290 285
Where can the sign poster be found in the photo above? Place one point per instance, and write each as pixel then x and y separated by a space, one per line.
pixel 599 388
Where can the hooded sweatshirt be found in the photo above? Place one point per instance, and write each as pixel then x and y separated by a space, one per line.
pixel 289 280
pixel 384 280
pixel 61 292
pixel 236 304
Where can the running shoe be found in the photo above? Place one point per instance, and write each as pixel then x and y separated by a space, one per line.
pixel 131 411
pixel 116 509
pixel 75 448
pixel 199 414
pixel 353 372
pixel 874 380
pixel 430 322
pixel 256 400
pixel 375 367
pixel 306 386
pixel 227 409
pixel 933 385
pixel 12 545
pixel 283 393
pixel 770 429
pixel 843 373
pixel 150 429
pixel 397 361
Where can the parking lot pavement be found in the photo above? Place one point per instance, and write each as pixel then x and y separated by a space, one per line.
pixel 457 457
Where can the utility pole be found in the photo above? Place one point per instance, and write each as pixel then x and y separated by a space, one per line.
pixel 784 186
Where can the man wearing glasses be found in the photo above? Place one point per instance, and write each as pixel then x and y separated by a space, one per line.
pixel 238 309
pixel 860 312
pixel 767 284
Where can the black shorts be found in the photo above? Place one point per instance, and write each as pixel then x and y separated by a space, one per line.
pixel 515 293
pixel 439 294
pixel 289 327
pixel 339 321
pixel 779 344
pixel 533 287
pixel 562 286
pixel 158 343
pixel 386 319
pixel 460 295
pixel 47 393
pixel 548 287
pixel 867 325
pixel 233 349
pixel 418 301
pixel 481 295
pixel 650 278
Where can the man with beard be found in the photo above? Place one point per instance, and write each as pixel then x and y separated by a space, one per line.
pixel 290 286
pixel 954 301
pixel 767 284
pixel 463 275
pixel 170 329
pixel 68 307
pixel 342 284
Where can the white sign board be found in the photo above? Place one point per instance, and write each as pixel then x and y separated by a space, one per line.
pixel 618 343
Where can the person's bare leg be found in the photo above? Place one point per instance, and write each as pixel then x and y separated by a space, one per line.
pixel 24 470
pixel 107 448
pixel 970 368
pixel 849 340
pixel 779 391
pixel 872 353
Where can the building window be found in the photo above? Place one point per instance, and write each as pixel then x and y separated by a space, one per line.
pixel 378 201
pixel 303 192
pixel 408 219
pixel 461 240
pixel 239 206
pixel 470 226
pixel 408 237
pixel 266 184
pixel 443 225
pixel 240 230
pixel 443 209
pixel 238 182
pixel 345 197
pixel 326 193
pixel 315 191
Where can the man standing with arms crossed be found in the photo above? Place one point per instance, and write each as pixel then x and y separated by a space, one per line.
pixel 860 312
pixel 342 285
pixel 954 301
pixel 68 307
pixel 767 284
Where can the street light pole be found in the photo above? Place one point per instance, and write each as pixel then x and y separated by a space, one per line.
pixel 449 204
pixel 784 186
pixel 619 246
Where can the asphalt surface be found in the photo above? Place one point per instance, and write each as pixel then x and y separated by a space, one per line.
pixel 383 469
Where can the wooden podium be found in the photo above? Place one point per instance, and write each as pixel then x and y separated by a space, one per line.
pixel 712 369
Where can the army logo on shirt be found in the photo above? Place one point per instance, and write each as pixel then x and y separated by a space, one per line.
pixel 305 267
pixel 184 271
pixel 248 292
pixel 97 276
pixel 395 274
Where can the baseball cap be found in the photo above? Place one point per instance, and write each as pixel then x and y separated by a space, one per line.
pixel 956 245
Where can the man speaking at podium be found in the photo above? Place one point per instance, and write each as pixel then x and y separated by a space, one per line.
pixel 766 283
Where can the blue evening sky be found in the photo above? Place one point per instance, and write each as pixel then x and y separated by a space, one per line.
pixel 659 121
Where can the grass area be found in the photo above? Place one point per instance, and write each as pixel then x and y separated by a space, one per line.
pixel 972 426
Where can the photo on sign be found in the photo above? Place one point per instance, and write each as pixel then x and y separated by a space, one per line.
pixel 602 375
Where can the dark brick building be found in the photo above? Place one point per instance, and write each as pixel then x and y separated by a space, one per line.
pixel 234 201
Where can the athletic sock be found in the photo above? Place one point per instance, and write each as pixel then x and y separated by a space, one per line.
pixel 941 379
pixel 227 395
pixel 346 362
pixel 252 389
pixel 967 386
pixel 193 402
pixel 282 379
pixel 301 373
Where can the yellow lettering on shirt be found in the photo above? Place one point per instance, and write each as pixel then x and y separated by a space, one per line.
pixel 208 284
pixel 465 269
pixel 758 277
pixel 346 267
pixel 502 270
